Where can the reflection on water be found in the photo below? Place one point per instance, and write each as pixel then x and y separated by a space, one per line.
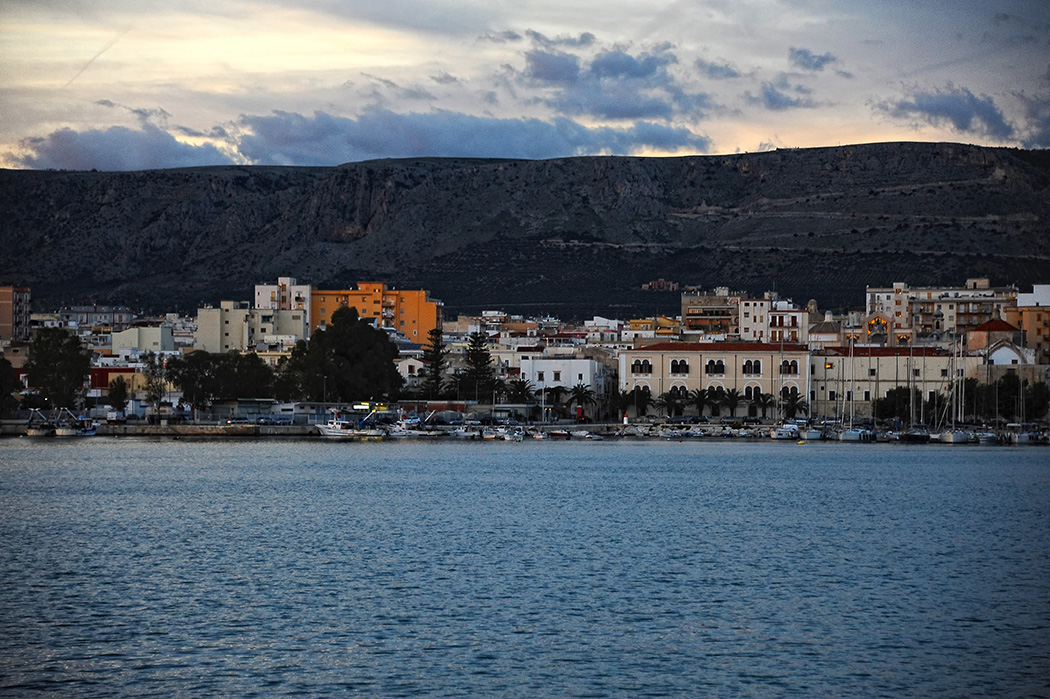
pixel 139 567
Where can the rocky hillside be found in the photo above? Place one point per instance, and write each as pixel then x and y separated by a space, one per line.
pixel 573 236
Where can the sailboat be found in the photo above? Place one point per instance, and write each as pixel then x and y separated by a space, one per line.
pixel 952 435
pixel 851 433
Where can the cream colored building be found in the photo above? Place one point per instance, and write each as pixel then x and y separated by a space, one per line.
pixel 233 326
pixel 751 368
pixel 157 338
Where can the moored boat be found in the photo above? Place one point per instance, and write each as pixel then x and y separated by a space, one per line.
pixel 342 428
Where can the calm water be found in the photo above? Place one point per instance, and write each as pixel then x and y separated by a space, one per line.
pixel 180 568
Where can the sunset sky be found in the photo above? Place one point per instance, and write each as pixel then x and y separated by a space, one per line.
pixel 118 85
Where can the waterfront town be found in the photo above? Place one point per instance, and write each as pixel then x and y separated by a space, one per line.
pixel 929 358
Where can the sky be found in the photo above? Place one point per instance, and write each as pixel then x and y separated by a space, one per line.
pixel 118 85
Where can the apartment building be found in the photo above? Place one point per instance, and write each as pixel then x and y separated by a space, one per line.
pixel 411 312
pixel 1032 316
pixel 235 326
pixel 286 295
pixel 903 314
pixel 15 302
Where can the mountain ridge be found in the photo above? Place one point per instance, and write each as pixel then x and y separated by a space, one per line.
pixel 573 236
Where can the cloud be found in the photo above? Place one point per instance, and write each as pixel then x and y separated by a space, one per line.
pixel 720 70
pixel 284 138
pixel 614 85
pixel 115 148
pixel 579 41
pixel 504 37
pixel 804 59
pixel 618 64
pixel 1035 132
pixel 552 66
pixel 957 107
pixel 777 98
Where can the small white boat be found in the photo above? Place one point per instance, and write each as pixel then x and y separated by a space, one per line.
pixel 954 437
pixel 788 431
pixel 342 428
pixel 857 434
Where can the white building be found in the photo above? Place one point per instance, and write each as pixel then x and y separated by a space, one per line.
pixel 233 326
pixel 286 295
pixel 158 338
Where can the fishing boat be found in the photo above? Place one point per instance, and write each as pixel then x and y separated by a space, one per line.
pixel 341 427
pixel 72 425
pixel 39 425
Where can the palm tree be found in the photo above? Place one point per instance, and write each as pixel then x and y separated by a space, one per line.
pixel 641 398
pixel 765 401
pixel 670 403
pixel 581 394
pixel 520 391
pixel 700 398
pixel 794 404
pixel 555 394
pixel 716 398
pixel 731 399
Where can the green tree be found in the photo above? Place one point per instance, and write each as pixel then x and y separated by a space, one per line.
pixel 58 366
pixel 435 357
pixel 9 387
pixel 896 404
pixel 641 399
pixel 350 360
pixel 794 404
pixel 700 399
pixel 479 373
pixel 716 399
pixel 156 380
pixel 520 391
pixel 238 375
pixel 731 399
pixel 582 395
pixel 118 394
pixel 765 401
pixel 194 375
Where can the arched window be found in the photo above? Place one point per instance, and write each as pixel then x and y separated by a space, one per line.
pixel 641 366
pixel 679 366
pixel 757 366
pixel 716 366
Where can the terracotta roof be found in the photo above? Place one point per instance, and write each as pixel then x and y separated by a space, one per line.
pixel 881 351
pixel 716 347
pixel 995 326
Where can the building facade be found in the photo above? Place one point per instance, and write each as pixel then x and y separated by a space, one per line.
pixel 902 314
pixel 1032 316
pixel 234 326
pixel 15 303
pixel 750 368
pixel 411 312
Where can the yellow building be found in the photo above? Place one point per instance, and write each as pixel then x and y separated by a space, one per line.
pixel 412 313
pixel 1032 315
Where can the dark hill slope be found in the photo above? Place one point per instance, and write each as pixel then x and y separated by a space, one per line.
pixel 573 236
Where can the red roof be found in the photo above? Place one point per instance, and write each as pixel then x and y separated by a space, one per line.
pixel 995 326
pixel 716 347
pixel 881 351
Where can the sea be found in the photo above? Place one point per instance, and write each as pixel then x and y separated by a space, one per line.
pixel 254 567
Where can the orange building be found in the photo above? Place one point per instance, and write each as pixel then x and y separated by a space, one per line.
pixel 413 313
pixel 15 303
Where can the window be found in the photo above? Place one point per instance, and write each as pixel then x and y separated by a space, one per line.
pixel 831 395
pixel 539 376
pixel 944 372
pixel 641 366
pixel 790 367
pixel 579 377
pixel 557 376
pixel 716 366
pixel 679 366
pixel 872 372
pixel 867 395
pixel 915 372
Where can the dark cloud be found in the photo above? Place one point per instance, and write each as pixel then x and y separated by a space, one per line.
pixel 959 107
pixel 1036 126
pixel 322 139
pixel 780 97
pixel 581 40
pixel 444 78
pixel 505 37
pixel 615 85
pixel 805 59
pixel 618 64
pixel 115 148
pixel 552 66
pixel 717 70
